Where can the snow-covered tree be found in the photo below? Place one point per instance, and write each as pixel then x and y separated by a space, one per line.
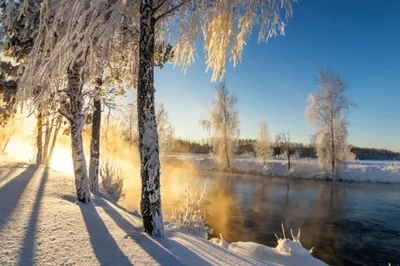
pixel 263 144
pixel 224 125
pixel 90 27
pixel 285 144
pixel 8 89
pixel 327 110
pixel 165 129
pixel 15 45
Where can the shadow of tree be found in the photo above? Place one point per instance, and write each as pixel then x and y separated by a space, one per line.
pixel 8 169
pixel 26 256
pixel 15 188
pixel 69 198
pixel 104 246
pixel 163 250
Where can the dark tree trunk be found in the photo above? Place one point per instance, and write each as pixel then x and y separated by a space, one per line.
pixel 333 151
pixel 226 151
pixel 39 143
pixel 148 137
pixel 95 143
pixel 49 130
pixel 8 138
pixel 77 120
pixel 288 158
pixel 53 143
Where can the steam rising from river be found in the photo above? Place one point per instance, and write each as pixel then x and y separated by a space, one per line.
pixel 174 179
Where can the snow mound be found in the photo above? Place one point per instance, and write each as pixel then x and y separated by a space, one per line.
pixel 288 252
pixel 220 242
pixel 291 247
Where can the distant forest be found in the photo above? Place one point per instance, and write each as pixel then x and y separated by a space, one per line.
pixel 246 147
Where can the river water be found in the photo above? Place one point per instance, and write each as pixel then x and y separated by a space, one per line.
pixel 346 223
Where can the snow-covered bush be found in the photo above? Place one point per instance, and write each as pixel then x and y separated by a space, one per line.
pixel 112 178
pixel 189 216
pixel 220 241
pixel 287 252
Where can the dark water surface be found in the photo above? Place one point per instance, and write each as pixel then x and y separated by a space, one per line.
pixel 346 223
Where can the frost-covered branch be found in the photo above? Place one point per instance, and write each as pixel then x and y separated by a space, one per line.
pixel 172 10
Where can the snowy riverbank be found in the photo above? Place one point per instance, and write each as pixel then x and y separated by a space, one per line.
pixel 367 171
pixel 41 224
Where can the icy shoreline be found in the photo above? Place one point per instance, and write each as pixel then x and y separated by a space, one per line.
pixel 358 171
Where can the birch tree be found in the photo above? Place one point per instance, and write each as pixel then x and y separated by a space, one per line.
pixel 223 25
pixel 327 109
pixel 95 140
pixel 165 129
pixel 263 144
pixel 224 125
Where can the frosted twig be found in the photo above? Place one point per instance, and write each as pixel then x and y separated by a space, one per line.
pixel 283 231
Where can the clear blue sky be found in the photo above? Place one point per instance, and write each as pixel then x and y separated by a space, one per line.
pixel 359 39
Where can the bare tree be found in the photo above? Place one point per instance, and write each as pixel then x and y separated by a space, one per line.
pixel 57 125
pixel 224 125
pixel 52 127
pixel 263 144
pixel 130 129
pixel 327 110
pixel 286 145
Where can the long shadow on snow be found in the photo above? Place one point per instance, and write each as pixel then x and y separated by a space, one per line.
pixel 8 169
pixel 11 193
pixel 27 250
pixel 162 249
pixel 104 246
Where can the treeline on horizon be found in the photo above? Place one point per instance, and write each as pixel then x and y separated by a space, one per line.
pixel 246 147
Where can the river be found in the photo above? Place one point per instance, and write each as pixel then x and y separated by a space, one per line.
pixel 346 223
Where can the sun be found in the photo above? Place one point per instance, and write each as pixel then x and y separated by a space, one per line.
pixel 62 161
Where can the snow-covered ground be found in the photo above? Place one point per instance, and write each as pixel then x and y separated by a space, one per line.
pixel 368 171
pixel 41 224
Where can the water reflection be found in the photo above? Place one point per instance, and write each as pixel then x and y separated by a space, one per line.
pixel 346 223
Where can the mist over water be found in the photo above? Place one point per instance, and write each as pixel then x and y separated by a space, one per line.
pixel 346 223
